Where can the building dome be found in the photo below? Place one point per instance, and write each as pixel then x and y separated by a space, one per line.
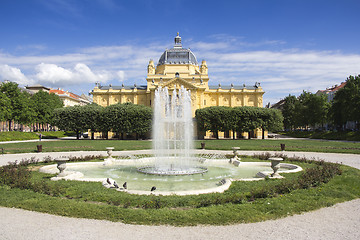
pixel 177 55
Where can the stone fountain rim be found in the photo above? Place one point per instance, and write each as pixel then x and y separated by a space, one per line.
pixel 219 189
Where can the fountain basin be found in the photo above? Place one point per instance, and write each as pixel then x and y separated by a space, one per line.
pixel 139 183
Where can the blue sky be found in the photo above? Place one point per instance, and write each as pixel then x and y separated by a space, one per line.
pixel 286 45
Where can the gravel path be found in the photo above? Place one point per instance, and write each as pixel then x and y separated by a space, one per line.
pixel 341 221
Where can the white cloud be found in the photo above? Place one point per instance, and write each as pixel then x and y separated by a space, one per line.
pixel 230 60
pixel 52 73
pixel 13 74
pixel 59 76
pixel 121 75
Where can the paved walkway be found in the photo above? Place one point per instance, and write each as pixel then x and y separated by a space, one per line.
pixel 341 221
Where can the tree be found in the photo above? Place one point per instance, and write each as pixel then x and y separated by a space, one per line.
pixel 105 122
pixel 5 107
pixel 212 119
pixel 140 118
pixel 117 119
pixel 339 109
pixel 272 120
pixel 44 105
pixel 313 110
pixel 70 119
pixel 238 119
pixel 255 118
pixel 290 112
pixel 27 114
pixel 20 104
pixel 346 103
pixel 127 118
pixel 243 119
pixel 92 115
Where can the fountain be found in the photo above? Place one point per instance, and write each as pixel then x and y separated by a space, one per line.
pixel 61 165
pixel 173 135
pixel 235 160
pixel 174 169
pixel 275 165
pixel 109 160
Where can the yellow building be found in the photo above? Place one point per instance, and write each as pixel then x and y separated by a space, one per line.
pixel 178 67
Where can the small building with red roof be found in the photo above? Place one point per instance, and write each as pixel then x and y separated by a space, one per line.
pixel 69 98
pixel 330 92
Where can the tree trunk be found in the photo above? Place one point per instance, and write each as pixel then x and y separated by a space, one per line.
pixel 263 133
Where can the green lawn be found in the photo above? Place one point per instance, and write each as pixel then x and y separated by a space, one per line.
pixel 91 200
pixel 120 145
pixel 344 135
pixel 291 145
pixel 15 135
pixel 75 145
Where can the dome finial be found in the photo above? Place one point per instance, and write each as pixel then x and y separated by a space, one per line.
pixel 177 41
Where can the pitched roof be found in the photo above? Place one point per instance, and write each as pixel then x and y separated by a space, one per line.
pixel 62 92
pixel 334 88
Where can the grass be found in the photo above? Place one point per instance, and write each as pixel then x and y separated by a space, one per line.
pixel 326 135
pixel 15 135
pixel 91 200
pixel 120 145
pixel 76 145
pixel 291 145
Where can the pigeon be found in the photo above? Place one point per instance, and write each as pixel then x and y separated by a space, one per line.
pixel 125 185
pixel 153 188
pixel 115 185
pixel 108 181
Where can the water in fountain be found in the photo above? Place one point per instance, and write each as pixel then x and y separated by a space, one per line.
pixel 173 134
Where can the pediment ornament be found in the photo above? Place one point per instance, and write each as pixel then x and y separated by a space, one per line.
pixel 179 82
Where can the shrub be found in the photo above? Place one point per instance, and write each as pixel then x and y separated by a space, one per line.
pixel 154 202
pixel 85 158
pixel 15 176
pixel 313 177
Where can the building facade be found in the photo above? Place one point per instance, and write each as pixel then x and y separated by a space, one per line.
pixel 179 67
pixel 68 98
pixel 330 92
pixel 71 99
